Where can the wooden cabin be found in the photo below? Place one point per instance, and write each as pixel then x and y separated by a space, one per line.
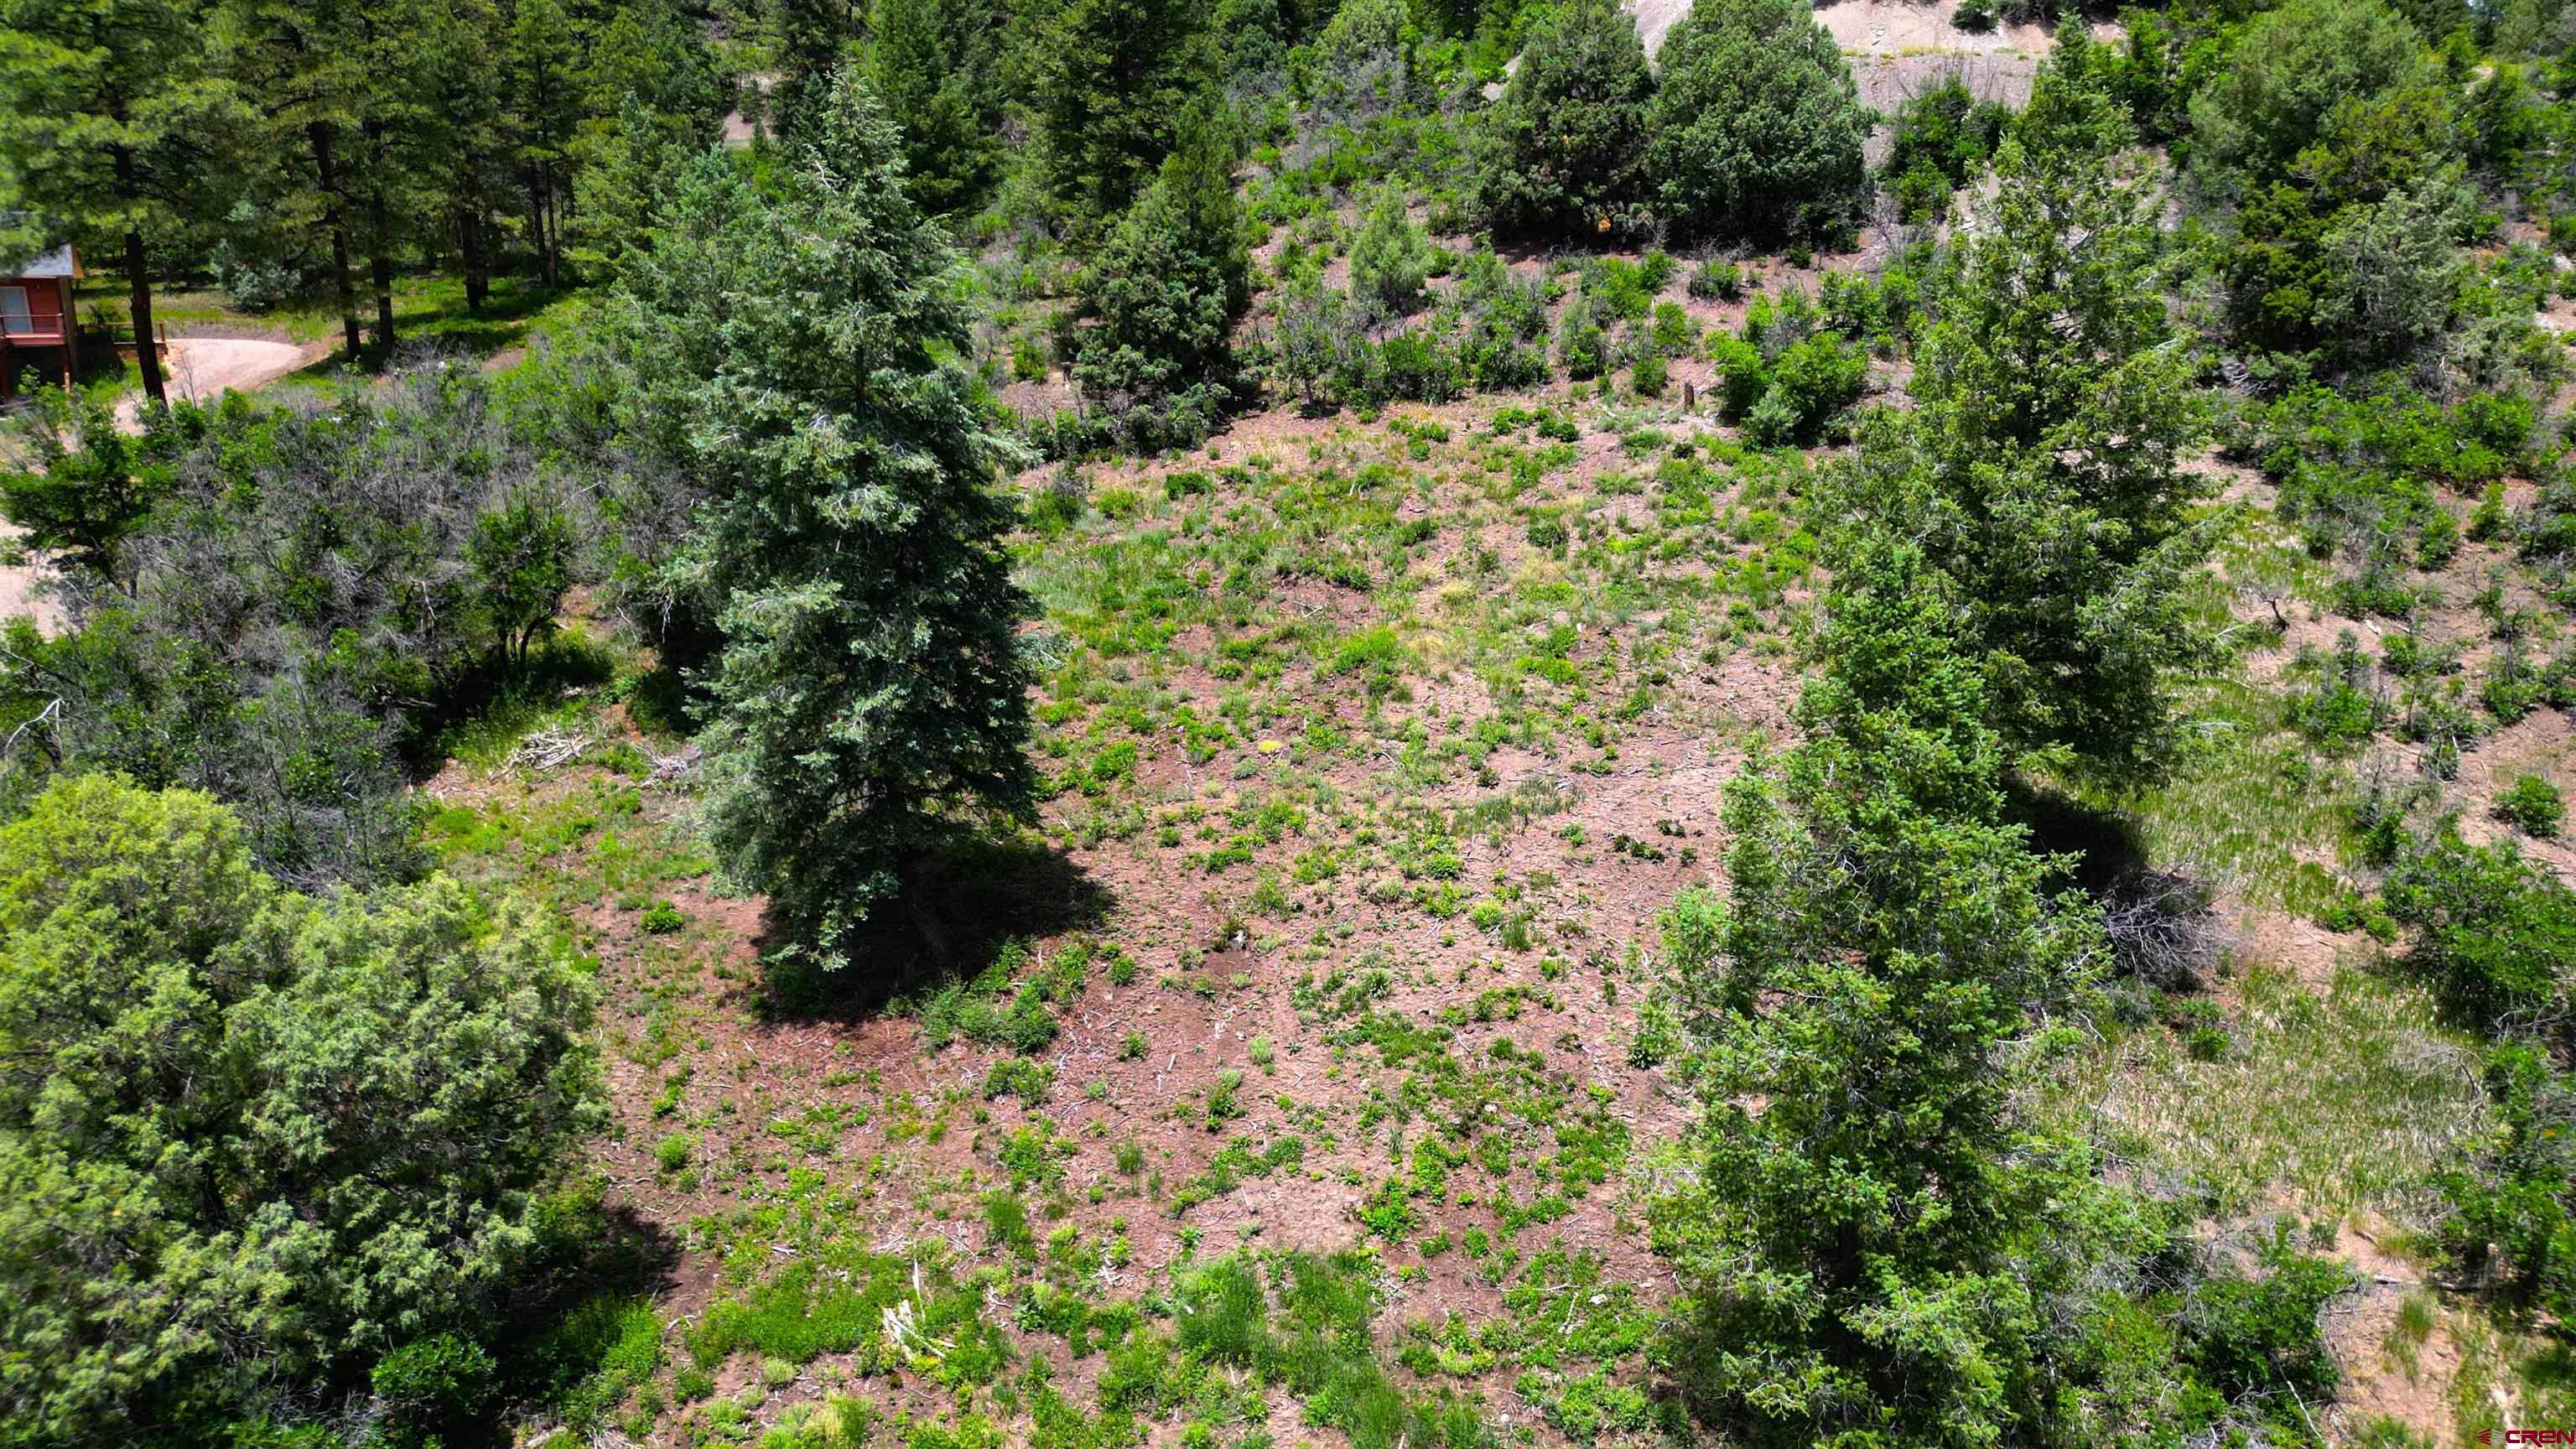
pixel 38 328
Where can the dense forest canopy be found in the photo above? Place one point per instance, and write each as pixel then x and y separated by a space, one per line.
pixel 1718 723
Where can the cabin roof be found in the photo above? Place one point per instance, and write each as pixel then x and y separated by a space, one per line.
pixel 57 262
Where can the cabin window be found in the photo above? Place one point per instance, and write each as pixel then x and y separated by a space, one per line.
pixel 17 319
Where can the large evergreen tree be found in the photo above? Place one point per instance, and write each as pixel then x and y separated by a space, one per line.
pixel 809 41
pixel 1563 152
pixel 1160 301
pixel 300 69
pixel 802 356
pixel 1757 127
pixel 1877 1244
pixel 2041 467
pixel 1116 78
pixel 541 62
pixel 102 107
pixel 935 66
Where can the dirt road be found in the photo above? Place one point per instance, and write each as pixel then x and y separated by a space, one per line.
pixel 203 367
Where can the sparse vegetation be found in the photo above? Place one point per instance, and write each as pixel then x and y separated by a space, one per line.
pixel 1073 724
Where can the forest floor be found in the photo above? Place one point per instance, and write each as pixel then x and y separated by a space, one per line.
pixel 1376 746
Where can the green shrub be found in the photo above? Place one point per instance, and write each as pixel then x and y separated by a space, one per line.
pixel 1008 1219
pixel 2250 1333
pixel 1717 279
pixel 1229 1314
pixel 2493 932
pixel 1223 1104
pixel 1773 421
pixel 1756 127
pixel 1820 376
pixel 434 1387
pixel 2512 1202
pixel 1562 153
pixel 1019 1077
pixel 1391 259
pixel 1740 376
pixel 1582 343
pixel 2533 806
pixel 672 1153
pixel 990 1009
pixel 382 1091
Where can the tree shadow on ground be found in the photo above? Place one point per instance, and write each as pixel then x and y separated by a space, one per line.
pixel 600 1265
pixel 448 330
pixel 979 894
pixel 2162 929
pixel 2105 845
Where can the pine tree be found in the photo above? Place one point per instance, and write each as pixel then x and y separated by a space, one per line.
pixel 1563 152
pixel 652 50
pixel 2327 149
pixel 1757 127
pixel 1116 80
pixel 934 64
pixel 2041 467
pixel 651 99
pixel 810 41
pixel 801 356
pixel 102 114
pixel 1161 299
pixel 401 134
pixel 1878 1244
pixel 461 142
pixel 543 123
pixel 619 189
pixel 301 69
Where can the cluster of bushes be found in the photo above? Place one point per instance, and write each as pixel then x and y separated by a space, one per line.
pixel 1943 136
pixel 1488 331
pixel 2360 474
pixel 279 1166
pixel 280 604
pixel 1789 372
pixel 2418 690
pixel 1747 125
pixel 2494 932
pixel 1785 378
pixel 2326 152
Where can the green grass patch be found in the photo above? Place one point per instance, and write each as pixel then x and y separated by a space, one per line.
pixel 2342 1100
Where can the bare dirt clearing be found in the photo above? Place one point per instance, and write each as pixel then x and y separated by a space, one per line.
pixel 200 368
